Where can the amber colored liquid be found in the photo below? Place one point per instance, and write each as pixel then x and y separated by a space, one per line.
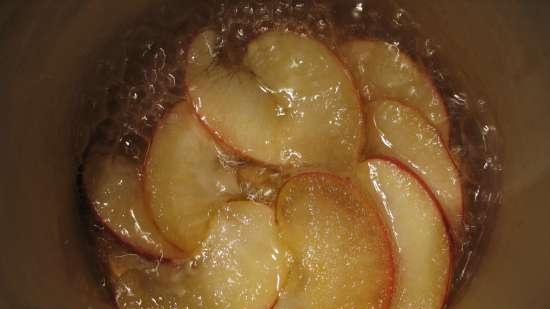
pixel 144 78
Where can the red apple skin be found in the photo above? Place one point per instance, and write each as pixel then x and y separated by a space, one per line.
pixel 423 71
pixel 345 181
pixel 219 142
pixel 146 196
pixel 388 243
pixel 452 243
pixel 402 166
pixel 460 235
pixel 107 247
pixel 239 152
pixel 125 243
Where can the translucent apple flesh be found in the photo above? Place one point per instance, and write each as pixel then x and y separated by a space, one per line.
pixel 290 103
pixel 341 254
pixel 422 245
pixel 114 191
pixel 383 71
pixel 239 265
pixel 185 181
pixel 398 131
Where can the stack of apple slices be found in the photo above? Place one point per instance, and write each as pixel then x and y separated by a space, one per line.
pixel 421 243
pixel 410 175
pixel 114 191
pixel 406 119
pixel 239 265
pixel 184 179
pixel 290 103
pixel 372 227
pixel 400 132
pixel 383 71
pixel 221 253
pixel 341 254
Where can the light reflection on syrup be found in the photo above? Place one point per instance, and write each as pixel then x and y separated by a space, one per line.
pixel 153 74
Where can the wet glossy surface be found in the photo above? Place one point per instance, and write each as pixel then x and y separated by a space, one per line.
pixel 239 265
pixel 184 179
pixel 509 66
pixel 421 243
pixel 400 132
pixel 152 81
pixel 383 71
pixel 291 103
pixel 114 190
pixel 340 250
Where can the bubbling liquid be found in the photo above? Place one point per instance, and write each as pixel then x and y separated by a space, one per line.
pixel 147 79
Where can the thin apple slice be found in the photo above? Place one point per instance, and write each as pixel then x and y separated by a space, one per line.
pixel 240 265
pixel 185 181
pixel 383 71
pixel 340 249
pixel 114 190
pixel 422 246
pixel 290 103
pixel 401 132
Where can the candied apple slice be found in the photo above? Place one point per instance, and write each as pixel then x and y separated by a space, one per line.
pixel 240 265
pixel 185 181
pixel 401 132
pixel 383 71
pixel 114 191
pixel 340 250
pixel 291 102
pixel 422 247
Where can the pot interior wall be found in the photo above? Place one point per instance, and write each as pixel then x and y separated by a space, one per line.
pixel 50 47
pixel 500 49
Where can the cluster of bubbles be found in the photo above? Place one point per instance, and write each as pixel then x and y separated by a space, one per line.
pixel 149 79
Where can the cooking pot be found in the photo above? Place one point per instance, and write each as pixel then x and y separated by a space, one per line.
pixel 500 48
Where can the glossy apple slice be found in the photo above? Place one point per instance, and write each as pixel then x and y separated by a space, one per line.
pixel 401 132
pixel 422 248
pixel 341 254
pixel 240 265
pixel 185 180
pixel 114 190
pixel 291 102
pixel 385 72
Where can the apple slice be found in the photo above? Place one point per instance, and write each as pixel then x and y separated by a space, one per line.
pixel 114 190
pixel 341 254
pixel 401 132
pixel 185 181
pixel 422 247
pixel 385 72
pixel 291 102
pixel 240 265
